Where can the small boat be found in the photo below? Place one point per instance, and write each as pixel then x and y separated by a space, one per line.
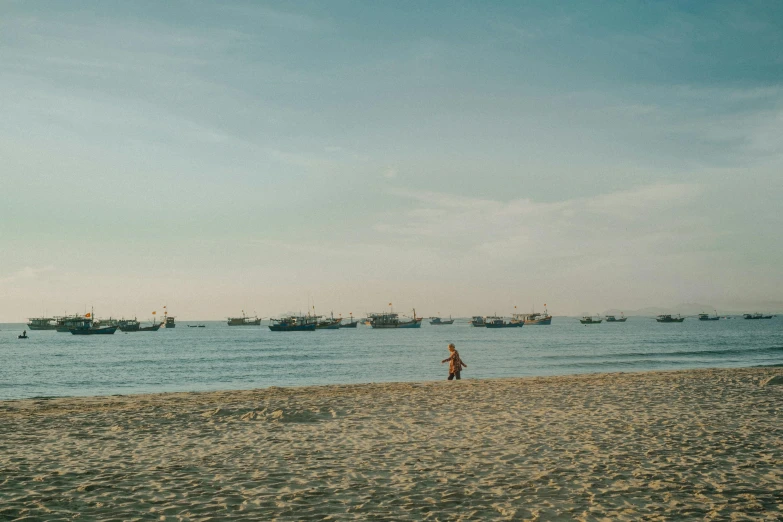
pixel 244 320
pixel 392 320
pixel 499 322
pixel 65 323
pixel 478 321
pixel 438 321
pixel 328 323
pixel 757 316
pixel 94 330
pixel 535 318
pixel 588 319
pixel 708 317
pixel 133 325
pixel 306 323
pixel 668 318
pixel 613 319
pixel 196 326
pixel 168 320
pixel 154 327
pixel 129 325
pixel 351 324
pixel 23 335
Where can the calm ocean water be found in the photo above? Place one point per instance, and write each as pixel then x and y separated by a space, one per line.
pixel 220 357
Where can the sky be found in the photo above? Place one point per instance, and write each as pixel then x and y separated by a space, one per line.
pixel 460 158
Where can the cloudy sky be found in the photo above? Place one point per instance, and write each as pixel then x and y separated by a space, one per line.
pixel 457 157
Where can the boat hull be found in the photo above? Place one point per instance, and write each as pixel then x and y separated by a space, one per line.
pixel 153 328
pixel 292 328
pixel 411 324
pixel 108 330
pixel 39 327
pixel 349 325
pixel 505 325
pixel 538 322
pixel 256 322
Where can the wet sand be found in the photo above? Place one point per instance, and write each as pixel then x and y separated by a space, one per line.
pixel 701 444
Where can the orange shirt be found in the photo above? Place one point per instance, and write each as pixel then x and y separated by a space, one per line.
pixel 455 363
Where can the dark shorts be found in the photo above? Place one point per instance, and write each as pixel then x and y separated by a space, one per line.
pixel 454 375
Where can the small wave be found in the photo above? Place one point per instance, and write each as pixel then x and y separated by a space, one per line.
pixel 681 353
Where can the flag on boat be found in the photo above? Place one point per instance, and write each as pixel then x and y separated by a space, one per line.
pixel 87 314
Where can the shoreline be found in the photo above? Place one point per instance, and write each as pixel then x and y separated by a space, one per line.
pixel 702 443
pixel 378 383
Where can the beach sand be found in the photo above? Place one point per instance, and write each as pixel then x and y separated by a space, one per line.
pixel 702 444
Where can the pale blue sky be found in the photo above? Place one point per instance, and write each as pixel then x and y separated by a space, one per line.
pixel 459 157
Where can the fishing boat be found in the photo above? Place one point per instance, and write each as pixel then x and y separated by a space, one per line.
pixel 392 320
pixel 499 322
pixel 293 323
pixel 168 320
pixel 614 319
pixel 90 327
pixel 351 324
pixel 65 323
pixel 708 317
pixel 757 316
pixel 244 320
pixel 534 318
pixel 42 323
pixel 588 319
pixel 129 325
pixel 435 321
pixel 328 323
pixel 668 318
pixel 94 330
pixel 478 321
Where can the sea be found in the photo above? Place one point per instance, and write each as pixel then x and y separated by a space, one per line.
pixel 220 357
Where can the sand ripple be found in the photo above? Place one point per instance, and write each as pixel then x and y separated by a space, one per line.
pixel 700 444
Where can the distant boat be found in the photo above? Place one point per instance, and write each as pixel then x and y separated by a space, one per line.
pixel 668 318
pixel 66 323
pixel 392 320
pixel 94 330
pixel 438 321
pixel 22 336
pixel 588 319
pixel 133 325
pixel 168 320
pixel 499 322
pixel 351 324
pixel 196 326
pixel 478 321
pixel 328 323
pixel 757 316
pixel 708 317
pixel 244 320
pixel 613 319
pixel 88 327
pixel 42 323
pixel 294 323
pixel 535 318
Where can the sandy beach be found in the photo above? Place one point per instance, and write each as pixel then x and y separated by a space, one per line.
pixel 703 444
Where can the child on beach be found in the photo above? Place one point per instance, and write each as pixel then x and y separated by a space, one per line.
pixel 455 363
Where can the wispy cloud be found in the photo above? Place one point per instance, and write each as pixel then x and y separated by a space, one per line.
pixel 26 274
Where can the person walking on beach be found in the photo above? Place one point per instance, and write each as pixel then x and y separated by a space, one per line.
pixel 455 363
